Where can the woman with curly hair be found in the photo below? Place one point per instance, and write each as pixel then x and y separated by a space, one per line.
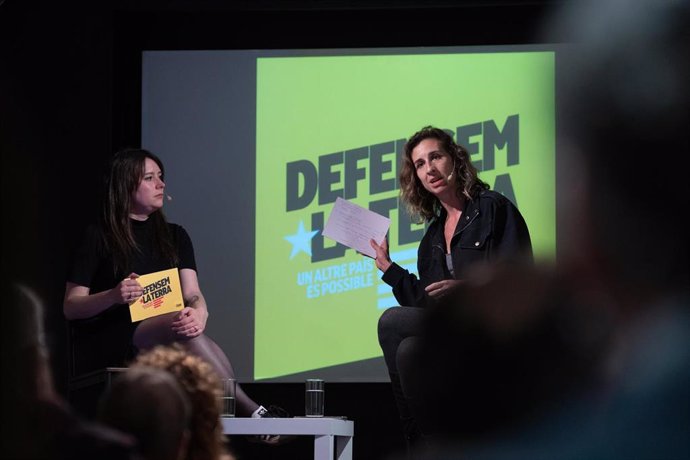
pixel 468 225
pixel 202 387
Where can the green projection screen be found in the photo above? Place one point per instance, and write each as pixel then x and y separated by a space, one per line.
pixel 259 144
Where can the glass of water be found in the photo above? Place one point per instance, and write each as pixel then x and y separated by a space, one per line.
pixel 228 398
pixel 314 398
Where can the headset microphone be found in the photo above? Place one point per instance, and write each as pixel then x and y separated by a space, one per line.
pixel 168 197
pixel 450 176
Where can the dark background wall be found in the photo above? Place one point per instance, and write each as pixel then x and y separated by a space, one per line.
pixel 70 96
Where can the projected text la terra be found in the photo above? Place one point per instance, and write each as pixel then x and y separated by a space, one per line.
pixel 307 181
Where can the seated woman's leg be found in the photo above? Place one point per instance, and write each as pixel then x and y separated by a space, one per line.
pixel 412 381
pixel 157 331
pixel 398 325
pixel 245 405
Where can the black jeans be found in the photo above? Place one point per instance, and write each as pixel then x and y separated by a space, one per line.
pixel 399 332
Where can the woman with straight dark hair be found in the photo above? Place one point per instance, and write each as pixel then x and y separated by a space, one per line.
pixel 133 238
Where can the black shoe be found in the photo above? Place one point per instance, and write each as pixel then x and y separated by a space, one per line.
pixel 273 439
pixel 274 412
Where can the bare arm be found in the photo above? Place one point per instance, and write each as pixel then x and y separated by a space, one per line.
pixel 191 321
pixel 80 304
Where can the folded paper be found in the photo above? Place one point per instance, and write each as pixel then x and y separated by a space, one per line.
pixel 162 294
pixel 355 226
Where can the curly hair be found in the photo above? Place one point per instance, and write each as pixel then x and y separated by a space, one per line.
pixel 202 386
pixel 421 204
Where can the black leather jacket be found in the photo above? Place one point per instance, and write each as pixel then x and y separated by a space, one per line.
pixel 490 229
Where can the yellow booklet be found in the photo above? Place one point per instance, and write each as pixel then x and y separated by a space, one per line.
pixel 162 294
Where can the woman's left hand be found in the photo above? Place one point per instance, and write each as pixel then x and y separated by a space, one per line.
pixel 189 322
pixel 382 259
pixel 440 289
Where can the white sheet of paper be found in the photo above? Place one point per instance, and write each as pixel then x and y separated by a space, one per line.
pixel 353 226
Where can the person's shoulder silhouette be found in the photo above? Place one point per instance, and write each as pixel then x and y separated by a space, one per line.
pixel 36 422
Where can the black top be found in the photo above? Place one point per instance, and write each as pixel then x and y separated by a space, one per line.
pixel 105 340
pixel 490 229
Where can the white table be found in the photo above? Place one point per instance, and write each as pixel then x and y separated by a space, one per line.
pixel 332 436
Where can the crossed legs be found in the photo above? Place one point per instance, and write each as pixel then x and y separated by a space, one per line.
pixel 157 331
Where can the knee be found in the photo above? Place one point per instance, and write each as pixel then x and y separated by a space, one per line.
pixel 155 331
pixel 147 339
pixel 141 341
pixel 387 325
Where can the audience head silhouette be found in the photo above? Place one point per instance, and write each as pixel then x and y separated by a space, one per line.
pixel 202 387
pixel 149 404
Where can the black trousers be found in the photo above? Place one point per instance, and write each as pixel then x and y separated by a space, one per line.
pixel 400 334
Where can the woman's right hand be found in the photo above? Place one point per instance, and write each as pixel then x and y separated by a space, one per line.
pixel 382 259
pixel 440 289
pixel 128 290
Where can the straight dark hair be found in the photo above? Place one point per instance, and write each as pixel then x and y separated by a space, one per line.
pixel 125 172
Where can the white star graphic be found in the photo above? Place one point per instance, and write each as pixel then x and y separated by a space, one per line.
pixel 301 241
